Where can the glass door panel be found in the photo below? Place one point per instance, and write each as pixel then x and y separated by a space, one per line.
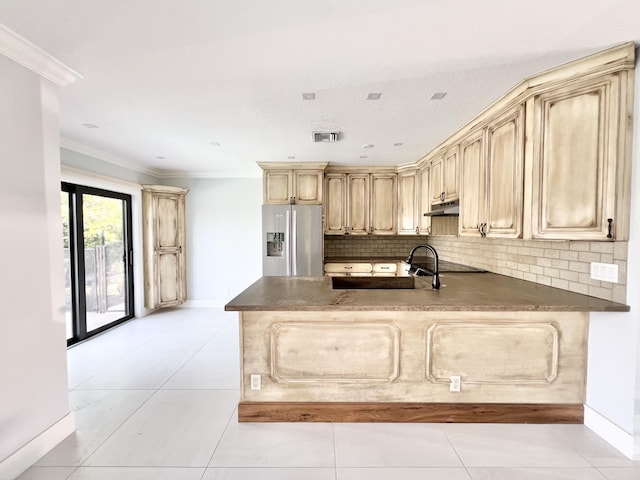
pixel 97 230
pixel 104 260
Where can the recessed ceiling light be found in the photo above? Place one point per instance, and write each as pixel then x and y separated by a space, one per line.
pixel 309 96
pixel 159 157
pixel 214 144
pixel 398 144
pixel 291 157
pixel 367 145
pixel 374 96
pixel 89 125
pixel 438 95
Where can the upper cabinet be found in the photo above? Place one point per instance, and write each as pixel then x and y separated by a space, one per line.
pixel 360 203
pixel 445 177
pixel 491 195
pixel 286 183
pixel 578 162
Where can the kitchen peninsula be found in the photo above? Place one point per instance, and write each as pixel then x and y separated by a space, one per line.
pixel 316 353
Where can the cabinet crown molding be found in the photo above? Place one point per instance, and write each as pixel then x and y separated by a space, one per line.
pixel 164 189
pixel 293 165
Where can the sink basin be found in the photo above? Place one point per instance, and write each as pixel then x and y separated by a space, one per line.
pixel 379 283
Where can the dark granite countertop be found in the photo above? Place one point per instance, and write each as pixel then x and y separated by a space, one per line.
pixel 459 292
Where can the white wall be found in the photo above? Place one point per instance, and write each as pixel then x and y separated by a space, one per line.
pixel 224 225
pixel 34 409
pixel 613 381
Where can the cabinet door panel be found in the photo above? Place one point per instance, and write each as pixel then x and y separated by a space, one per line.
pixel 472 195
pixel 277 186
pixel 335 204
pixel 383 204
pixel 436 186
pixel 167 208
pixel 358 204
pixel 450 175
pixel 504 180
pixel 425 201
pixel 308 187
pixel 407 201
pixel 574 162
pixel 169 273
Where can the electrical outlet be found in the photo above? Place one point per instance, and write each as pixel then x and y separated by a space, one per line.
pixel 454 383
pixel 256 381
pixel 607 272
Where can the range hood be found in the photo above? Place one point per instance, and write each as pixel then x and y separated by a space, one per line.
pixel 448 208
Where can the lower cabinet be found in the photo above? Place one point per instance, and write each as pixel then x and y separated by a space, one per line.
pixel 165 275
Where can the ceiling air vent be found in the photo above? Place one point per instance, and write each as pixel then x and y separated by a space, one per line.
pixel 326 136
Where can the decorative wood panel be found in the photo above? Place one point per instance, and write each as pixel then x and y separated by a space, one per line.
pixel 334 352
pixel 168 278
pixel 518 353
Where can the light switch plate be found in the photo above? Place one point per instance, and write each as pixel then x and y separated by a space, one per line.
pixel 606 272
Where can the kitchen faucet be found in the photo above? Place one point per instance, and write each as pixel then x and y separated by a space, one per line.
pixel 435 284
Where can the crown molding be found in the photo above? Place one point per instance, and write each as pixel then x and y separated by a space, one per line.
pixel 98 154
pixel 25 53
pixel 165 174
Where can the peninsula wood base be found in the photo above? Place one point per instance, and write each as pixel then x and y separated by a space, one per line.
pixel 409 412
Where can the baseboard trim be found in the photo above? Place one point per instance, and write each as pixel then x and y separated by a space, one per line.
pixel 203 304
pixel 409 412
pixel 610 432
pixel 20 460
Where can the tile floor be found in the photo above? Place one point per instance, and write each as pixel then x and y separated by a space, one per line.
pixel 155 399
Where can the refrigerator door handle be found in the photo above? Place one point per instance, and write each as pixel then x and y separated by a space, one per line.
pixel 294 243
pixel 287 242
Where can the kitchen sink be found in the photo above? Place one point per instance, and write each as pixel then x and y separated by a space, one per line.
pixel 378 283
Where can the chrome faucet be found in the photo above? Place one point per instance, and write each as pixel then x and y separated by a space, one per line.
pixel 435 283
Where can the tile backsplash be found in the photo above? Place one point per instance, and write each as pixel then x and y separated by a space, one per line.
pixel 562 264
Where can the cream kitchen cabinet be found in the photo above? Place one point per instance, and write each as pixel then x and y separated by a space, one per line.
pixel 408 197
pixel 491 194
pixel 285 183
pixel 163 215
pixel 346 207
pixel 444 181
pixel 384 203
pixel 580 141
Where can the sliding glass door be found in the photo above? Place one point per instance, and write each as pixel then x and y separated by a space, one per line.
pixel 98 259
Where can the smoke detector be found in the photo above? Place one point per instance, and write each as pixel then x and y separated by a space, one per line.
pixel 326 136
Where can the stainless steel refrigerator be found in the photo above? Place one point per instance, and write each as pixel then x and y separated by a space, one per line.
pixel 292 240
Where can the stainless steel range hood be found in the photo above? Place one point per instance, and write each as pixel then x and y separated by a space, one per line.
pixel 442 209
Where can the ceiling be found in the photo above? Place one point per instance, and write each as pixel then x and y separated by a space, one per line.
pixel 207 88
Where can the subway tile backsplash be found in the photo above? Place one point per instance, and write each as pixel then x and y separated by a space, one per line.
pixel 560 264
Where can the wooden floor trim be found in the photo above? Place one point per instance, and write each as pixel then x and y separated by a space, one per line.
pixel 410 412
